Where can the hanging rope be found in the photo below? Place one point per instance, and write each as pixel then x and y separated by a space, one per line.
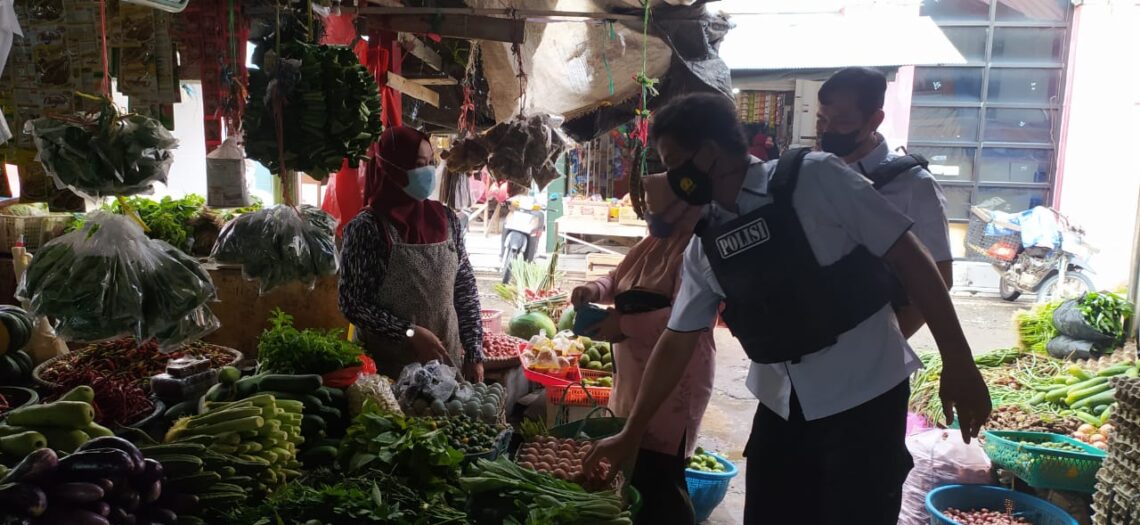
pixel 640 130
pixel 466 122
pixel 105 85
pixel 609 26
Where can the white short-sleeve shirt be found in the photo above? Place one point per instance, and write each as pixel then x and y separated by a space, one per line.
pixel 839 211
pixel 918 195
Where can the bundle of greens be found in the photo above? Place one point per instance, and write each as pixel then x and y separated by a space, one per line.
pixel 279 245
pixel 104 153
pixel 1107 312
pixel 416 450
pixel 502 492
pixel 283 349
pixel 170 220
pixel 1035 327
pixel 108 279
pixel 330 498
pixel 326 104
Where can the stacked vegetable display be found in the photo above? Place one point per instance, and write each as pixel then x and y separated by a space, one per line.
pixel 502 492
pixel 501 346
pixel 64 425
pixel 280 245
pixel 16 327
pixel 598 356
pixel 705 462
pixel 482 402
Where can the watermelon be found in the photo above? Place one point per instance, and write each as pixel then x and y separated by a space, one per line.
pixel 528 325
pixel 566 322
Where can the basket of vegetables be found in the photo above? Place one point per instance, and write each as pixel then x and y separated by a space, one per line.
pixel 1044 460
pixel 990 505
pixel 501 351
pixel 708 476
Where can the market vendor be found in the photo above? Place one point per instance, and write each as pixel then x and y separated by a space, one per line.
pixel 797 250
pixel 405 280
pixel 642 289
pixel 850 111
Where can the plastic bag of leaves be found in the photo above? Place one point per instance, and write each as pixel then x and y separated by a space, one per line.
pixel 105 153
pixel 279 245
pixel 107 280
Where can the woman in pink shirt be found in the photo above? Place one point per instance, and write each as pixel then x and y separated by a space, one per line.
pixel 642 287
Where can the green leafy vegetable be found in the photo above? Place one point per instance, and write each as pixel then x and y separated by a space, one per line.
pixel 283 349
pixel 503 492
pixel 1107 312
pixel 279 245
pixel 414 449
pixel 170 220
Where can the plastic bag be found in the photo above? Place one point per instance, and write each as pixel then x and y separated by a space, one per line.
pixel 279 245
pixel 1069 321
pixel 104 154
pixel 225 176
pixel 1065 347
pixel 108 280
pixel 940 458
pixel 431 381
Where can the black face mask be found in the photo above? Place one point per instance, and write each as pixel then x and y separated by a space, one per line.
pixel 840 144
pixel 691 184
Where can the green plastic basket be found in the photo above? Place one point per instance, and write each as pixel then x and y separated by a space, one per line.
pixel 590 428
pixel 1045 468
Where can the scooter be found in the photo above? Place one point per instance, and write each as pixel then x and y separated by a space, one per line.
pixel 522 232
pixel 1060 272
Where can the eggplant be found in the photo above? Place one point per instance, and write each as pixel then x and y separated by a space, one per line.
pixel 118 515
pixel 163 516
pixel 96 464
pixel 151 492
pixel 62 516
pixel 35 468
pixel 116 443
pixel 101 508
pixel 25 498
pixel 128 498
pixel 107 485
pixel 75 493
pixel 151 472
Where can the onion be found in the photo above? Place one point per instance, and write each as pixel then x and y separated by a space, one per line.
pixel 1096 438
pixel 1106 429
pixel 1101 445
pixel 1080 436
pixel 1086 429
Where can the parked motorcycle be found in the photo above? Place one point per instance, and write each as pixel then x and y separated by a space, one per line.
pixel 522 231
pixel 1053 266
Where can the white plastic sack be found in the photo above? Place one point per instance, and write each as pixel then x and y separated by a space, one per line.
pixel 225 176
pixel 940 458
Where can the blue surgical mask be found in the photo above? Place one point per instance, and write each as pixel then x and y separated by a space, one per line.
pixel 659 227
pixel 421 182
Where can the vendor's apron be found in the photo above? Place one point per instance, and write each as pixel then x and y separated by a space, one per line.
pixel 419 286
pixel 779 301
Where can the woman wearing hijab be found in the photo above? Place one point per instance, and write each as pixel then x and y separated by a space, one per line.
pixel 642 288
pixel 405 280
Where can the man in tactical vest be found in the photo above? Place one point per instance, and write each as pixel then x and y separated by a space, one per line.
pixel 850 110
pixel 805 255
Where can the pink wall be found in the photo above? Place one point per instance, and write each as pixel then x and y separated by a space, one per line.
pixel 1098 180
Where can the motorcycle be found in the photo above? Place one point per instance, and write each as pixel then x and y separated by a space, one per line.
pixel 1059 271
pixel 522 232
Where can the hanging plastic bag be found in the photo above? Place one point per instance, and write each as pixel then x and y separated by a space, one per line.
pixel 107 280
pixel 225 176
pixel 940 458
pixel 279 245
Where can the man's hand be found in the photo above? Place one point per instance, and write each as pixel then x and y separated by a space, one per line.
pixel 963 389
pixel 427 346
pixel 609 329
pixel 473 371
pixel 587 293
pixel 608 455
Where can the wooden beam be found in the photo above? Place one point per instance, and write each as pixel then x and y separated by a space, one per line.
pixel 455 26
pixel 435 81
pixel 413 89
pixel 421 51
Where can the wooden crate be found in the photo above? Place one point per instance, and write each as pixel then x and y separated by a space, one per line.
pixel 601 264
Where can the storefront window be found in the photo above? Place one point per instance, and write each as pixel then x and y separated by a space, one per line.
pixel 1016 165
pixel 947 84
pixel 1032 10
pixel 970 41
pixel 1024 86
pixel 957 202
pixel 1010 200
pixel 949 164
pixel 1023 45
pixel 1019 125
pixel 944 124
pixel 956 10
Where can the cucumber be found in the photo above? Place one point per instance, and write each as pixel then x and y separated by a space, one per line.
pixel 82 393
pixel 60 414
pixel 312 404
pixel 296 384
pixel 192 449
pixel 247 386
pixel 22 444
pixel 229 375
pixel 318 456
pixel 179 465
pixel 311 424
pixel 194 483
pixel 96 430
pixel 65 440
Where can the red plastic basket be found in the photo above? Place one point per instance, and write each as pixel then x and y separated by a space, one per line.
pixel 578 395
pixel 594 374
pixel 570 376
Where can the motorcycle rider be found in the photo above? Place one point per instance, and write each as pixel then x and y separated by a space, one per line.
pixel 850 112
pixel 799 261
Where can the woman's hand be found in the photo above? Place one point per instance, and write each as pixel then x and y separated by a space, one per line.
pixel 473 371
pixel 427 346
pixel 587 293
pixel 609 329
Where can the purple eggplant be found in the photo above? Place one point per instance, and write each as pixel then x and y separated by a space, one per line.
pixel 107 485
pixel 35 468
pixel 24 498
pixel 151 472
pixel 75 493
pixel 118 515
pixel 151 493
pixel 116 443
pixel 163 516
pixel 101 508
pixel 62 516
pixel 128 499
pixel 96 464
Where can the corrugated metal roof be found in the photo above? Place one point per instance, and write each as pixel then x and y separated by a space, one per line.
pixel 781 42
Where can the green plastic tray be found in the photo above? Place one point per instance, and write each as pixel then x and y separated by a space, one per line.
pixel 1045 468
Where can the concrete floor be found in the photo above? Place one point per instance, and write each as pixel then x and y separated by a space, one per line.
pixel 986 321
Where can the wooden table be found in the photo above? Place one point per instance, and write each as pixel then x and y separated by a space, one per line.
pixel 571 228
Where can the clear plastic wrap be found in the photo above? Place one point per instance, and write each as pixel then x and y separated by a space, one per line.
pixel 279 245
pixel 108 279
pixel 431 381
pixel 105 154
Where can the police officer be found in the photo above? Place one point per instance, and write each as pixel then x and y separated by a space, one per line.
pixel 850 112
pixel 798 251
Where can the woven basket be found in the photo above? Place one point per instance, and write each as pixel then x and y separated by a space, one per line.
pixel 39 369
pixel 36 230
